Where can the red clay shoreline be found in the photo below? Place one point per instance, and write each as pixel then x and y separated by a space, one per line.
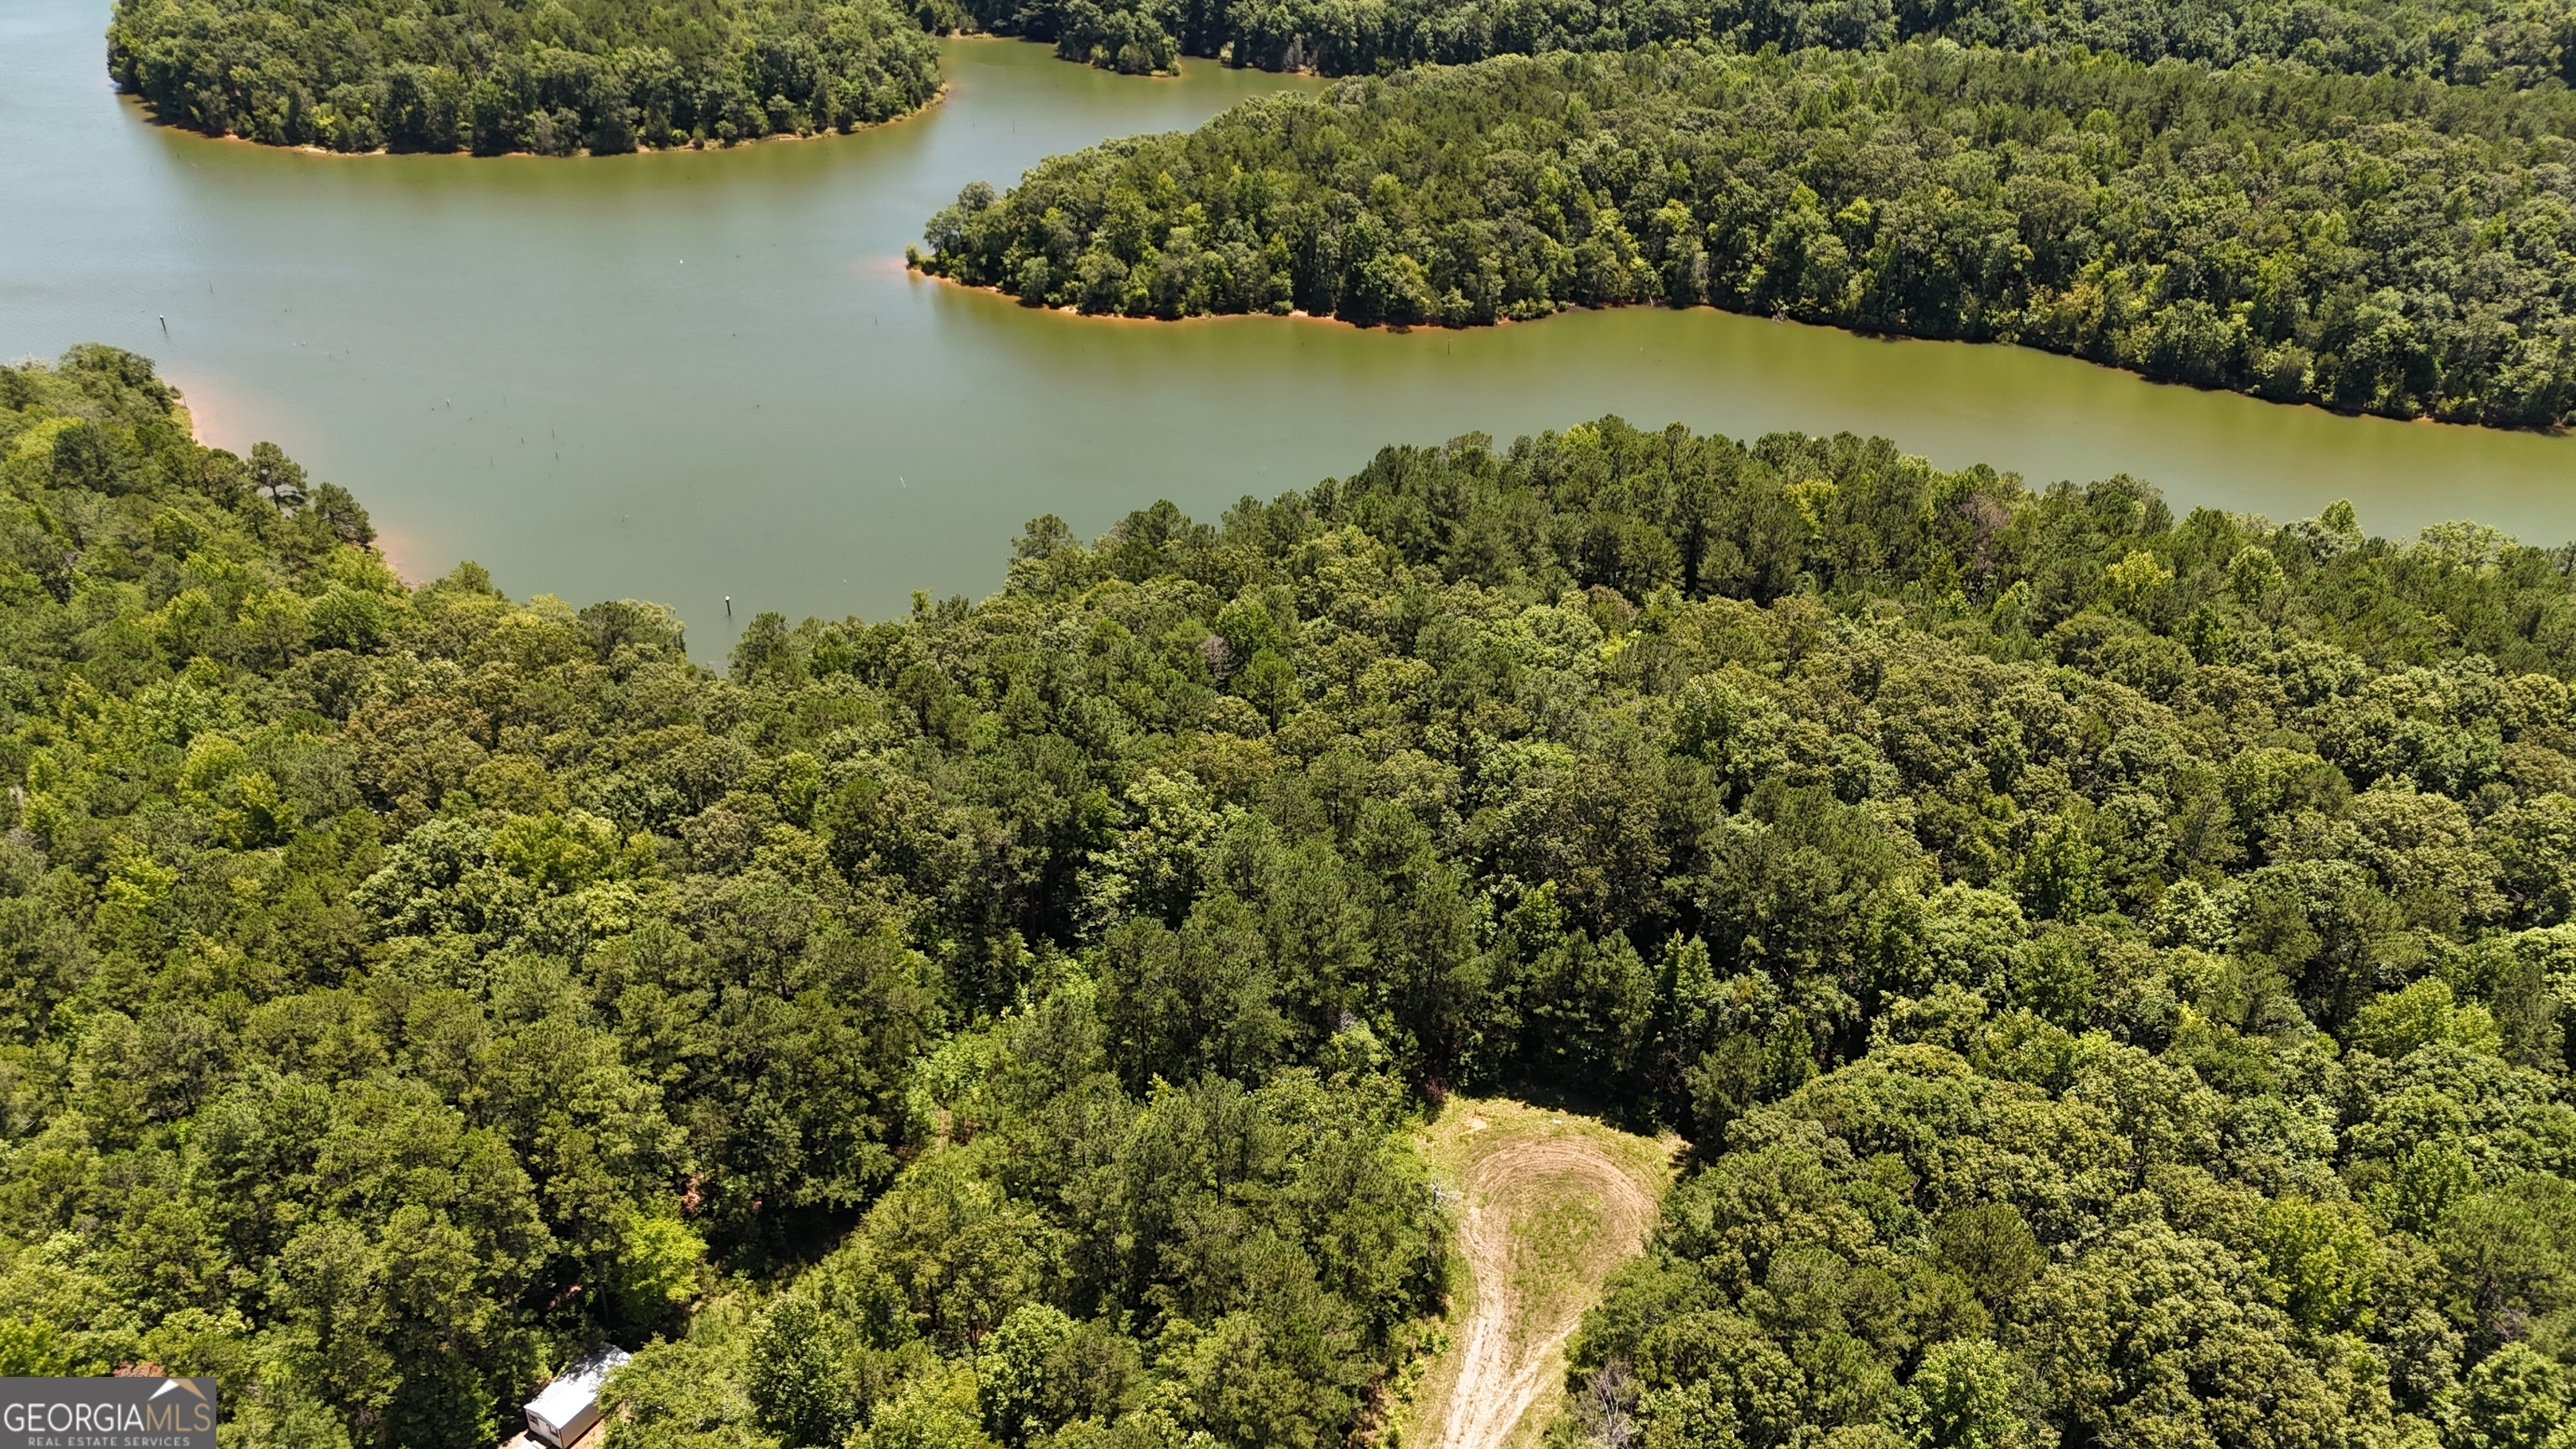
pixel 1886 337
pixel 154 118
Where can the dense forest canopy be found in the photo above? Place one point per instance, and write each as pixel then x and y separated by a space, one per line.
pixel 610 75
pixel 488 76
pixel 2374 245
pixel 2515 43
pixel 2112 965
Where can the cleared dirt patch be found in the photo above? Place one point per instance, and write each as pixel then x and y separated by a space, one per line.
pixel 1548 1203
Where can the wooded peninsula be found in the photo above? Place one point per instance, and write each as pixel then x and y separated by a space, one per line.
pixel 2110 967
pixel 603 76
pixel 2373 245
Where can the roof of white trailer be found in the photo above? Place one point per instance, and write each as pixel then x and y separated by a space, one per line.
pixel 559 1402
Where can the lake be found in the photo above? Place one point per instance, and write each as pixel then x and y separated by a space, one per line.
pixel 696 375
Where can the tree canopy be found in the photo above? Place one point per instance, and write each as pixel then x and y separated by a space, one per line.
pixel 604 76
pixel 2472 42
pixel 2372 245
pixel 2111 965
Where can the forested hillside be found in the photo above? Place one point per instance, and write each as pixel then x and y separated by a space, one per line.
pixel 2371 245
pixel 2111 964
pixel 472 75
pixel 2511 42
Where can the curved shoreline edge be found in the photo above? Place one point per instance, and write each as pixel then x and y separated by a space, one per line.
pixel 152 116
pixel 914 268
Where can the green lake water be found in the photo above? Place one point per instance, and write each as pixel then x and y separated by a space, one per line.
pixel 692 375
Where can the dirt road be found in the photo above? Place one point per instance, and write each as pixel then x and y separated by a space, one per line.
pixel 1547 1216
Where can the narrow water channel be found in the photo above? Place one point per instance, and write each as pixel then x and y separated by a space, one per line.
pixel 699 375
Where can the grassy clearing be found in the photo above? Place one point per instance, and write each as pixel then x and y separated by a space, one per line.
pixel 1548 1204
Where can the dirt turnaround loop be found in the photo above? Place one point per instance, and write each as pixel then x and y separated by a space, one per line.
pixel 1511 1349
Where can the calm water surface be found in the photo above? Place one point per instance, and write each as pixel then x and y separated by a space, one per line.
pixel 686 376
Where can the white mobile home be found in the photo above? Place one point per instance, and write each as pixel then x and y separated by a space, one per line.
pixel 566 1409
